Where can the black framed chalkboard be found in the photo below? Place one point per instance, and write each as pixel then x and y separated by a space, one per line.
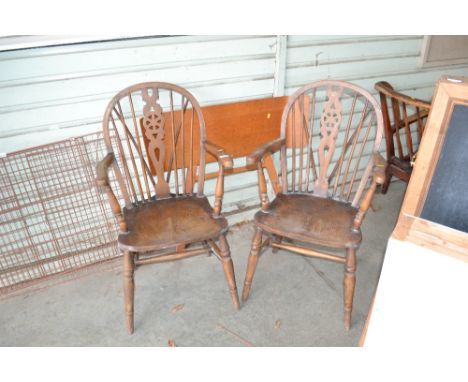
pixel 447 199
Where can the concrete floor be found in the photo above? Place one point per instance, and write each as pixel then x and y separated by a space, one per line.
pixel 294 301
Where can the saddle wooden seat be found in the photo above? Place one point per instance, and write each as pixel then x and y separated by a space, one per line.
pixel 311 219
pixel 161 224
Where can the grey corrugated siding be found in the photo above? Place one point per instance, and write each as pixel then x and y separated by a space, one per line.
pixel 53 93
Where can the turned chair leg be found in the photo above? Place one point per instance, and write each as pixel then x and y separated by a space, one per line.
pixel 388 178
pixel 277 240
pixel 229 270
pixel 252 263
pixel 129 288
pixel 349 283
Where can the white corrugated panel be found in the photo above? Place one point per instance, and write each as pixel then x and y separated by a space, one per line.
pixel 51 93
pixel 363 60
pixel 56 92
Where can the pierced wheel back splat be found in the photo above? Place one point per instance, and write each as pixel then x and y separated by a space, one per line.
pixel 156 131
pixel 331 129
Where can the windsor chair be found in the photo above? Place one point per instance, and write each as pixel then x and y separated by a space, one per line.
pixel 409 117
pixel 330 134
pixel 154 133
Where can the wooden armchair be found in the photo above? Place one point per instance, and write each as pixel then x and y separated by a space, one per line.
pixel 155 137
pixel 330 134
pixel 404 120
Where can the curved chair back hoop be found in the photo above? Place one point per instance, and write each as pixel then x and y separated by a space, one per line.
pixel 156 131
pixel 385 88
pixel 331 129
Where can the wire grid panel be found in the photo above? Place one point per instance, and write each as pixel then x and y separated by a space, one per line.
pixel 53 220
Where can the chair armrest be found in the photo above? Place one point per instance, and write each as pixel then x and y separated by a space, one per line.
pixel 225 163
pixel 102 168
pixel 102 180
pixel 380 165
pixel 218 152
pixel 267 148
pixel 256 158
pixel 378 178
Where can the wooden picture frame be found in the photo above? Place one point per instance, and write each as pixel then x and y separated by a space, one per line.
pixel 450 91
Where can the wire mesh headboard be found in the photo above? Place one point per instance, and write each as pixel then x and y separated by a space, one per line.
pixel 54 223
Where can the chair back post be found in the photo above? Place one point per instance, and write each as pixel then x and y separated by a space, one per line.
pixel 386 118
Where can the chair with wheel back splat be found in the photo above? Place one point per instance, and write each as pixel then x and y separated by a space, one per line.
pixel 155 138
pixel 328 151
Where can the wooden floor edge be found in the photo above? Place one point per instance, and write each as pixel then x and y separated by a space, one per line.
pixel 366 325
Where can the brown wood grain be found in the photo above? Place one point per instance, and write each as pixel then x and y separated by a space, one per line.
pixel 398 128
pixel 319 217
pixel 160 227
pixel 239 127
pixel 410 227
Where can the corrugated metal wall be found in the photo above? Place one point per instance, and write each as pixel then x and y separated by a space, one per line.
pixel 52 93
pixel 57 92
pixel 363 60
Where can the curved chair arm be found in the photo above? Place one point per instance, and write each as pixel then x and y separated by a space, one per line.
pixel 379 168
pixel 102 180
pixel 218 152
pixel 102 168
pixel 225 162
pixel 268 148
pixel 256 158
pixel 377 178
pixel 387 89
